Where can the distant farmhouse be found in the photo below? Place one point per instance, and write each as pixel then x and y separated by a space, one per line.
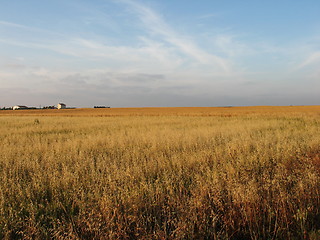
pixel 49 107
pixel 61 106
pixel 22 107
pixel 19 107
pixel 100 107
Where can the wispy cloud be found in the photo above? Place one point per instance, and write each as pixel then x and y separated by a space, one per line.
pixel 313 58
pixel 10 24
pixel 162 44
pixel 207 16
pixel 156 25
pixel 30 29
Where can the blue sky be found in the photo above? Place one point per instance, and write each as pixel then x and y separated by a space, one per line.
pixel 135 53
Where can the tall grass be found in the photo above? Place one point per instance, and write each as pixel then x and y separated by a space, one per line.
pixel 193 174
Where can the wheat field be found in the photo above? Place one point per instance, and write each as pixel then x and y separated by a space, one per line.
pixel 160 173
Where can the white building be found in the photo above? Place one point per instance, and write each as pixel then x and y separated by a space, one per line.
pixel 61 106
pixel 17 107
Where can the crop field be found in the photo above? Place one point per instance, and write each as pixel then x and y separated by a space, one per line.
pixel 160 173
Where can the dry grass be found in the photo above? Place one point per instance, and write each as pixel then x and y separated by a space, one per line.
pixel 160 173
pixel 168 111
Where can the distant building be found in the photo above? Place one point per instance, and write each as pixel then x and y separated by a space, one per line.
pixel 100 107
pixel 48 107
pixel 18 107
pixel 61 106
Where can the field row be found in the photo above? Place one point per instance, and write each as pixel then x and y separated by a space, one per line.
pixel 161 174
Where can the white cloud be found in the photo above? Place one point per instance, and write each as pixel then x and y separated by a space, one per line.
pixel 313 58
pixel 209 15
pixel 34 30
pixel 156 25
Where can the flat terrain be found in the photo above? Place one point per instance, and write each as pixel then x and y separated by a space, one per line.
pixel 168 111
pixel 160 173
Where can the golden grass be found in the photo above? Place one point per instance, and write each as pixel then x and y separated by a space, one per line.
pixel 167 111
pixel 160 173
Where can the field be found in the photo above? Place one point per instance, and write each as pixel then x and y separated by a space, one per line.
pixel 160 173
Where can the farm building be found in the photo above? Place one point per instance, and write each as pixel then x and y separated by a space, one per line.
pixel 61 106
pixel 17 107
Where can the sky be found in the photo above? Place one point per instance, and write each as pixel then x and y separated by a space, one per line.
pixel 159 53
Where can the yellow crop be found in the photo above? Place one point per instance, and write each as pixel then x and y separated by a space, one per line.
pixel 160 173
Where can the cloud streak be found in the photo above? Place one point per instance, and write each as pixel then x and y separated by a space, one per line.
pixel 156 25
pixel 310 60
